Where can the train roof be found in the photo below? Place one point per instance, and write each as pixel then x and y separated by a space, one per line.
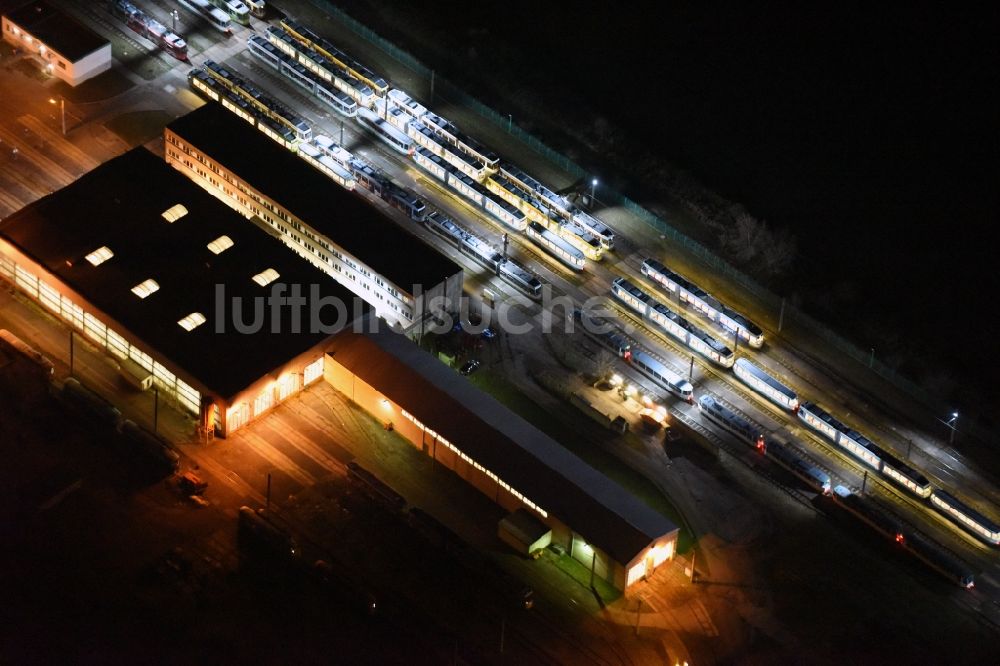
pixel 343 216
pixel 555 239
pixel 740 319
pixel 954 502
pixel 57 30
pixel 680 280
pixel 120 205
pixel 512 267
pixel 747 366
pixel 500 440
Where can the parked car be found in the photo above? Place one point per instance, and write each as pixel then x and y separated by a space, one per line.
pixel 469 368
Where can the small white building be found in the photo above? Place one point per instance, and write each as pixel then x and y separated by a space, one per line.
pixel 67 48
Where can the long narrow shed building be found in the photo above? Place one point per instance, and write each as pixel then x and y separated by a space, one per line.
pixel 501 454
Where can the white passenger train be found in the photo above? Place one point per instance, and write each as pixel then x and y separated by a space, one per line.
pixel 484 253
pixel 864 449
pixel 966 517
pixel 649 365
pixel 547 200
pixel 671 322
pixel 690 294
pixel 594 226
pixel 357 90
pixel 335 56
pixel 315 156
pixel 257 99
pixel 389 135
pixel 556 246
pixel 212 15
pixel 470 189
pixel 787 457
pixel 286 65
pixel 425 138
pixel 765 384
pixel 743 428
pixel 236 9
pixel 210 88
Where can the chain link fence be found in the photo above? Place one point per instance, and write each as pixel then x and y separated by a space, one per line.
pixel 792 315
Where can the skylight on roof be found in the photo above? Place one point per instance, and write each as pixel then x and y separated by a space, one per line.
pixel 220 244
pixel 266 278
pixel 192 321
pixel 145 288
pixel 100 255
pixel 174 213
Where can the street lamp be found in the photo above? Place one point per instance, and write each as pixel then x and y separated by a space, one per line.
pixel 953 424
pixel 62 108
pixel 593 187
pixel 174 16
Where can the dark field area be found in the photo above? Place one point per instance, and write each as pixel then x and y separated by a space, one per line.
pixel 868 133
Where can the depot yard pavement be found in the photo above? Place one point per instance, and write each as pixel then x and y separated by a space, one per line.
pixel 104 567
pixel 777 580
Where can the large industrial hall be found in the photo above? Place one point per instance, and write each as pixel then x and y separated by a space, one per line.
pixel 167 277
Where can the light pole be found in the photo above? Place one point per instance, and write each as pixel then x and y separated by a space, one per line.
pixel 510 122
pixel 156 406
pixel 62 109
pixel 953 424
pixel 593 189
pixel 871 358
pixel 173 20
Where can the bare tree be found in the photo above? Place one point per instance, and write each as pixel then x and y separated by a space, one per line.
pixel 778 252
pixel 604 364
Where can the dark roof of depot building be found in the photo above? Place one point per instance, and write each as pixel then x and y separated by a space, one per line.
pixel 57 30
pixel 120 205
pixel 503 442
pixel 343 216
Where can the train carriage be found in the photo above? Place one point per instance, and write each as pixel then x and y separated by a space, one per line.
pixel 864 449
pixel 790 460
pixel 694 296
pixel 595 227
pixel 236 9
pixel 521 278
pixel 556 246
pixel 765 384
pixel 258 8
pixel 432 164
pixel 355 69
pixel 740 426
pixel 357 90
pixel 387 133
pixel 671 322
pixel 659 373
pixel 212 15
pixel 579 238
pixel 966 517
pixel 318 159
